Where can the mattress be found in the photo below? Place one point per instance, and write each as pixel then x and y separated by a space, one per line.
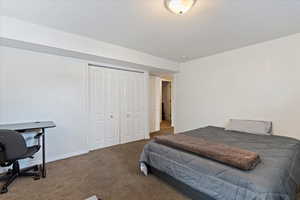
pixel 275 178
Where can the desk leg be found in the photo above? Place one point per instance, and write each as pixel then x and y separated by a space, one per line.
pixel 44 155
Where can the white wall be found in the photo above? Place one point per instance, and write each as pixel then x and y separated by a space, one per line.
pixel 257 82
pixel 37 86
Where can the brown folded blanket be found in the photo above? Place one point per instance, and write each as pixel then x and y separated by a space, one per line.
pixel 236 157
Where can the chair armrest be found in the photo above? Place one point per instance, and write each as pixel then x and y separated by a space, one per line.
pixel 1 148
pixel 37 136
pixel 2 156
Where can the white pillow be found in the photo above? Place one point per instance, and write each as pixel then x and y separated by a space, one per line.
pixel 250 126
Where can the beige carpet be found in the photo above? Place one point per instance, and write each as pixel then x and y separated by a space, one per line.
pixel 110 174
pixel 169 130
pixel 165 124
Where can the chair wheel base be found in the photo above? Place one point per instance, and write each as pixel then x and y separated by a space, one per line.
pixel 9 172
pixel 36 168
pixel 16 172
pixel 3 190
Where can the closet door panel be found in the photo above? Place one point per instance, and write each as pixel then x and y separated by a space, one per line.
pixel 104 98
pixel 126 107
pixel 133 112
pixel 123 122
pixel 111 135
pixel 97 107
pixel 139 108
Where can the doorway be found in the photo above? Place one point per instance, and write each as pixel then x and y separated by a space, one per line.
pixel 161 105
pixel 166 105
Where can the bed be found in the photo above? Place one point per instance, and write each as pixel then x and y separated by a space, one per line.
pixel 277 177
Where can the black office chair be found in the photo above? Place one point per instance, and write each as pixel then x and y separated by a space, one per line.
pixel 12 149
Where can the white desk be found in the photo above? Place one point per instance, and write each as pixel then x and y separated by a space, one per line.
pixel 38 127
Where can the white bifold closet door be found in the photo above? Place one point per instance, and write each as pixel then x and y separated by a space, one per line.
pixel 117 107
pixel 104 107
pixel 132 107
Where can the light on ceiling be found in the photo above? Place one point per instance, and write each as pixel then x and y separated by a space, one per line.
pixel 179 7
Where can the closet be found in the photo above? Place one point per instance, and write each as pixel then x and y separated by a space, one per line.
pixel 117 106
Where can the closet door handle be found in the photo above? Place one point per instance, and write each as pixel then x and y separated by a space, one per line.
pixel 111 116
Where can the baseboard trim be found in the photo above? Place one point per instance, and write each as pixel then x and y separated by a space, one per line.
pixel 51 159
pixel 65 156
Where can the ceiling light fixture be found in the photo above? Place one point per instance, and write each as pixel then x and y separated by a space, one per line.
pixel 179 7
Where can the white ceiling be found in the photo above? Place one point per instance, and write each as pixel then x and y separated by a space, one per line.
pixel 212 26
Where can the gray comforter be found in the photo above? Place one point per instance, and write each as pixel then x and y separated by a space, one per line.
pixel 275 178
